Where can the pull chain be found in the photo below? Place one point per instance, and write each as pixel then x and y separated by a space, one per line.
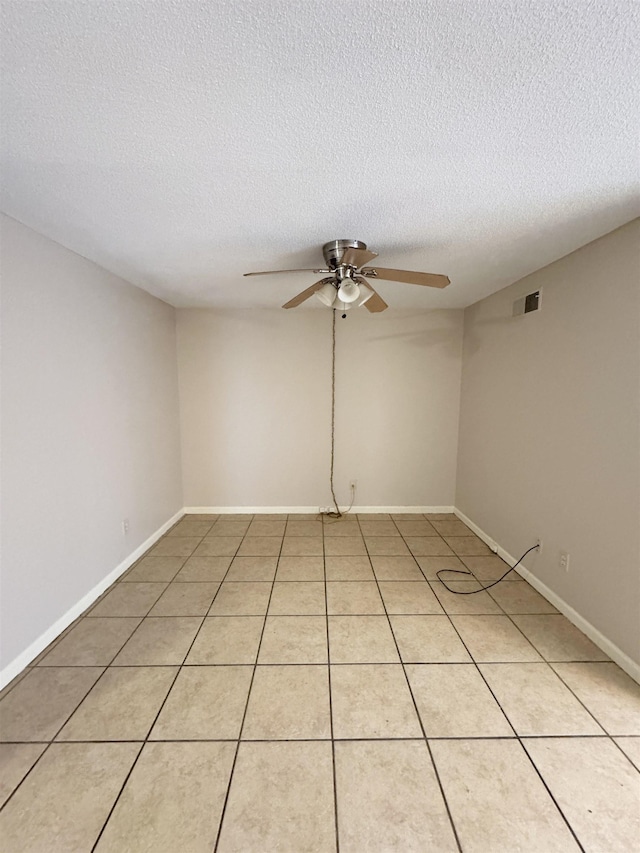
pixel 333 513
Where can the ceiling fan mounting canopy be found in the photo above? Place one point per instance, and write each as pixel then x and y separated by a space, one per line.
pixel 335 250
pixel 345 260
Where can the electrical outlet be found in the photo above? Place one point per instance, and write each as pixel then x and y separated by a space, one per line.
pixel 539 545
pixel 563 561
pixel 353 484
pixel 322 509
pixel 125 526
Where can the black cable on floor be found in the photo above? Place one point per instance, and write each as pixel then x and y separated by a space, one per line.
pixel 482 589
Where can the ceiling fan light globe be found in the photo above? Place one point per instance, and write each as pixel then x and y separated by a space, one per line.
pixel 348 291
pixel 327 294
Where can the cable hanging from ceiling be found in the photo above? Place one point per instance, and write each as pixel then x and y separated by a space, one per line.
pixel 336 512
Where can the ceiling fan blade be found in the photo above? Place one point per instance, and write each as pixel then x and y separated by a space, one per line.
pixel 357 257
pixel 305 294
pixel 425 278
pixel 274 272
pixel 375 303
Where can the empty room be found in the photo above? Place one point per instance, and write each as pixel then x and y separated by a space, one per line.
pixel 320 447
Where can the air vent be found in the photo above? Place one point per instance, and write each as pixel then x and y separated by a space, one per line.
pixel 527 304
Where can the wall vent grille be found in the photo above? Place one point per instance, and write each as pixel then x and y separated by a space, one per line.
pixel 527 304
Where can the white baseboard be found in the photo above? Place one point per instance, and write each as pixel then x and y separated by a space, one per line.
pixel 402 509
pixel 248 510
pixel 24 659
pixel 273 510
pixel 623 660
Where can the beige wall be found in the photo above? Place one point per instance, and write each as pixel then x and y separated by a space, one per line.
pixel 255 393
pixel 550 429
pixel 89 429
pixel 549 422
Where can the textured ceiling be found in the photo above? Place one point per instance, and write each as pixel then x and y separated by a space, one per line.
pixel 182 143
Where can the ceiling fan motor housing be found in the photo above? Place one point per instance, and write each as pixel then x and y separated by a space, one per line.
pixel 334 251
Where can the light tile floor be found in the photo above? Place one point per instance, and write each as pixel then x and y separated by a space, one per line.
pixel 292 684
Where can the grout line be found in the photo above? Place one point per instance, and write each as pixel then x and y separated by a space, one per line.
pixel 517 736
pixel 29 771
pixel 333 743
pixel 494 695
pixel 557 674
pixel 575 695
pixel 509 721
pixel 68 718
pixel 126 779
pixel 142 745
pixel 548 789
pixel 244 715
pixel 146 739
pixel 336 663
pixel 104 668
pixel 419 739
pixel 419 718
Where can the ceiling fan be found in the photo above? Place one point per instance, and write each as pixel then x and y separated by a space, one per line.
pixel 348 284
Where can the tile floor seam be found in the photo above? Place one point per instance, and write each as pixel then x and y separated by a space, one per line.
pixel 111 810
pixel 124 575
pixel 509 723
pixel 246 707
pixel 293 615
pixel 473 660
pixel 11 685
pixel 508 615
pixel 424 735
pixel 547 663
pixel 563 816
pixel 327 738
pixel 558 675
pixel 333 744
pixel 611 737
pixel 620 749
pixel 548 790
pixel 476 664
pixel 29 771
pixel 104 667
pixel 155 719
pixel 47 649
pixel 142 745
